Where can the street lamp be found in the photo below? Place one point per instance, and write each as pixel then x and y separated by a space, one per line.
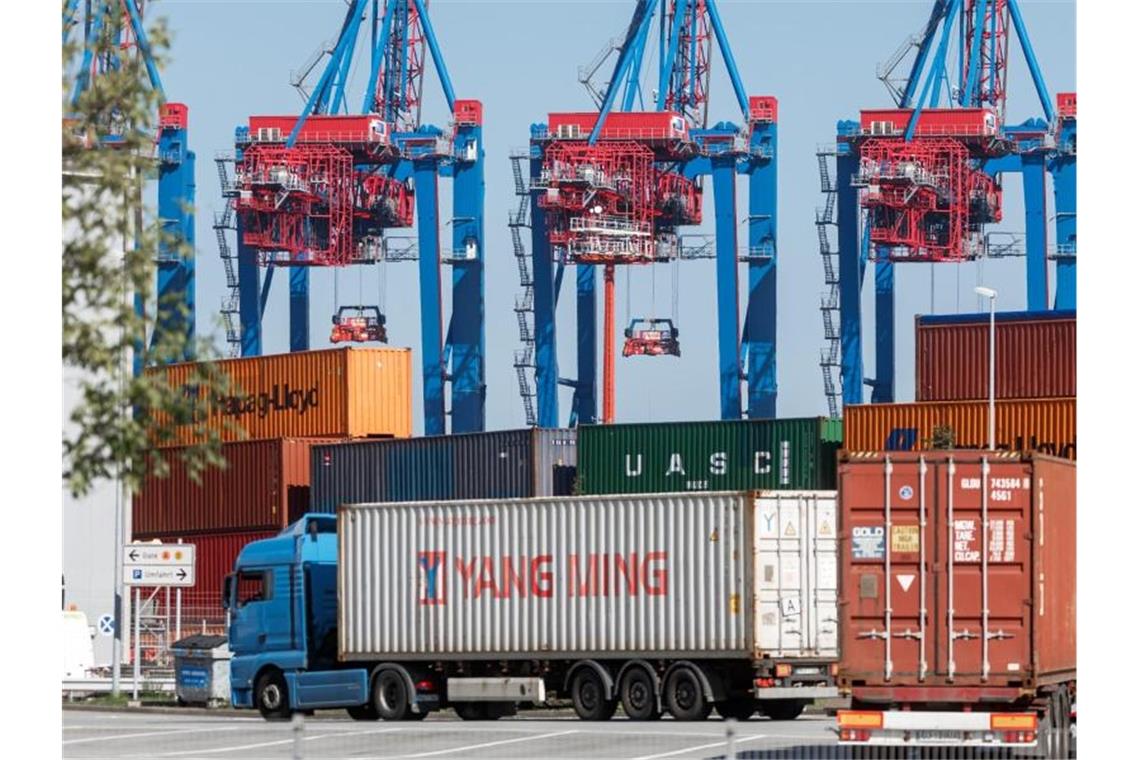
pixel 991 294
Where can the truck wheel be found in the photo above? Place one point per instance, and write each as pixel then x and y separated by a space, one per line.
pixel 390 695
pixel 272 696
pixel 737 709
pixel 588 694
pixel 470 710
pixel 782 709
pixel 363 712
pixel 1065 723
pixel 685 696
pixel 639 695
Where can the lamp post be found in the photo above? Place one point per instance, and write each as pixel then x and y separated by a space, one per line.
pixel 991 294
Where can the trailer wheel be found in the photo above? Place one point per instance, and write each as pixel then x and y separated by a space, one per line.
pixel 272 696
pixel 390 695
pixel 1065 722
pixel 737 709
pixel 685 696
pixel 639 695
pixel 470 710
pixel 588 694
pixel 782 709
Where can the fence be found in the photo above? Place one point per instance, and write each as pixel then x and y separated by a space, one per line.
pixel 163 618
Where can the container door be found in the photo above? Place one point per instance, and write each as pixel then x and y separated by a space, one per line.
pixel 795 574
pixel 983 534
pixel 823 588
pixel 887 634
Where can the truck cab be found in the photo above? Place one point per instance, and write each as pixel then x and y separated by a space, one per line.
pixel 281 600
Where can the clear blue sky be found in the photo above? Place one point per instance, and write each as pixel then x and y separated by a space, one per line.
pixel 232 58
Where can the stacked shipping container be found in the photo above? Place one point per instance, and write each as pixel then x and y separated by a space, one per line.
pixel 281 406
pixel 338 393
pixel 1035 356
pixel 787 454
pixel 496 465
pixel 1048 426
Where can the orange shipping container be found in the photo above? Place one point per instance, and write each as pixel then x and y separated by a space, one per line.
pixel 334 393
pixel 1048 426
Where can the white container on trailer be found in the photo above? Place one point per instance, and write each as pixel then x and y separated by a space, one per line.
pixel 687 575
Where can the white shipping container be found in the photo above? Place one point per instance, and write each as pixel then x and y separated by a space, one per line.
pixel 692 574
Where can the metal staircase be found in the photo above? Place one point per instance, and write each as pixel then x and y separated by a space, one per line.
pixel 223 222
pixel 518 221
pixel 829 358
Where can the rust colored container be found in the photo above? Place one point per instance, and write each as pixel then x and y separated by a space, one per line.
pixel 957 575
pixel 1035 356
pixel 1047 426
pixel 334 393
pixel 216 553
pixel 265 487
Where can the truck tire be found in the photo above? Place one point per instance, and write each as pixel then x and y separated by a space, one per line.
pixel 639 695
pixel 363 712
pixel 272 695
pixel 1065 724
pixel 390 696
pixel 685 696
pixel 782 709
pixel 588 694
pixel 737 709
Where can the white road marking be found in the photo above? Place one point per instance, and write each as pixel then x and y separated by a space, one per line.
pixel 469 747
pixel 315 737
pixel 148 733
pixel 721 743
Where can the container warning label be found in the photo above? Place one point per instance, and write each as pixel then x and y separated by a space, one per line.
pixel 868 542
pixel 904 539
pixel 1001 539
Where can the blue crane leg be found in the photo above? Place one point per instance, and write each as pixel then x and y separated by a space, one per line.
pixel 850 277
pixel 249 296
pixel 1036 232
pixel 1064 169
pixel 299 309
pixel 175 269
pixel 727 294
pixel 468 331
pixel 545 337
pixel 760 314
pixel 586 387
pixel 426 178
pixel 883 390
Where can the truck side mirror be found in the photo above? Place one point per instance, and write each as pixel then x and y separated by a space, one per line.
pixel 227 590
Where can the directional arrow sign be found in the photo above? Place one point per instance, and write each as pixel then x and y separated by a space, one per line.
pixel 158 564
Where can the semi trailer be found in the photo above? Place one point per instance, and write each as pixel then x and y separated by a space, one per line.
pixel 957 600
pixel 677 603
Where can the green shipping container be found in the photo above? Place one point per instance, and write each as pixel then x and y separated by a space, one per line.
pixel 664 457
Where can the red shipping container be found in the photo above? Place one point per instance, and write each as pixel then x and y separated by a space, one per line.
pixel 265 487
pixel 957 575
pixel 1035 356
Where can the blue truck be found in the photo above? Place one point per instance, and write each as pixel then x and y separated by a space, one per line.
pixel 392 611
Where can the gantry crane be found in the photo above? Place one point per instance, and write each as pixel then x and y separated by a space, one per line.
pixel 121 23
pixel 616 186
pixel 323 187
pixel 919 182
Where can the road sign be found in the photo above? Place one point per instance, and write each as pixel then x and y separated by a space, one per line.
pixel 158 564
pixel 106 625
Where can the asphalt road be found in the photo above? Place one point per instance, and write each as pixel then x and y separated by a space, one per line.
pixel 99 734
